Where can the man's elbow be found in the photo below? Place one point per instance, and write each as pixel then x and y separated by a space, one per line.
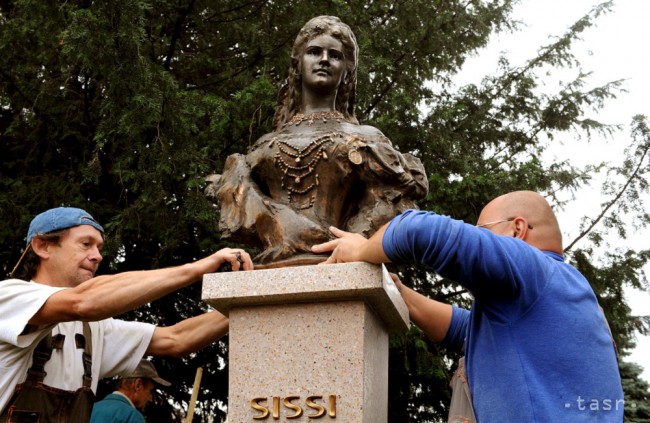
pixel 87 310
pixel 68 308
pixel 177 350
pixel 167 343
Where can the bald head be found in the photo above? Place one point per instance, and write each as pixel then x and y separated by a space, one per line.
pixel 537 224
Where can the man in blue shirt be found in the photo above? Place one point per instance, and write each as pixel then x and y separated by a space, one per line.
pixel 537 346
pixel 133 393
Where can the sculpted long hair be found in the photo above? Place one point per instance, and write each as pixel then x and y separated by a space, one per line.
pixel 290 96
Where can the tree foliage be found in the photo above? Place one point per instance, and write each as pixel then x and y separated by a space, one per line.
pixel 122 107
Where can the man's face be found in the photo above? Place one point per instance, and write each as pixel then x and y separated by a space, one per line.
pixel 76 258
pixel 144 393
pixel 323 64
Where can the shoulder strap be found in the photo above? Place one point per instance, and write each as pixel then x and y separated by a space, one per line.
pixel 87 356
pixel 42 354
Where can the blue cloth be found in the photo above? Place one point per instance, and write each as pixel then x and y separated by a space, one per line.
pixel 115 408
pixel 538 348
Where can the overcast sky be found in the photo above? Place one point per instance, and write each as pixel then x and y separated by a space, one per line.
pixel 616 48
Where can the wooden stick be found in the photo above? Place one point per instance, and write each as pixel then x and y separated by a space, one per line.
pixel 195 393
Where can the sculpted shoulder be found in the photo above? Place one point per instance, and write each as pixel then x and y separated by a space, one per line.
pixel 262 140
pixel 369 133
pixel 373 134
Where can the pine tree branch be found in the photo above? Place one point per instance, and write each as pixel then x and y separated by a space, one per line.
pixel 446 297
pixel 614 201
pixel 178 26
pixel 391 83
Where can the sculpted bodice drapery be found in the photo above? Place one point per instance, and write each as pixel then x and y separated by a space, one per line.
pixel 320 167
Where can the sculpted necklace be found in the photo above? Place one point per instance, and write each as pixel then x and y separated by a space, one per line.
pixel 298 166
pixel 298 118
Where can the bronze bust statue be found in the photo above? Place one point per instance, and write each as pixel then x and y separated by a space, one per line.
pixel 320 167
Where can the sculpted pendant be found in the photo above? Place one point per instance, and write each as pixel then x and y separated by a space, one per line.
pixel 355 156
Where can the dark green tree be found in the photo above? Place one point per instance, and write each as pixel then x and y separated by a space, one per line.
pixel 122 107
pixel 637 407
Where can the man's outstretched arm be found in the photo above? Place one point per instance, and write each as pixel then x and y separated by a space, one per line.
pixel 188 335
pixel 109 295
pixel 349 247
pixel 433 317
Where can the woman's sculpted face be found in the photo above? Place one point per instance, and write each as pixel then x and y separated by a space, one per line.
pixel 323 64
pixel 328 34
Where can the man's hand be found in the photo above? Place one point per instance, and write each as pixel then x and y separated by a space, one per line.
pixel 233 258
pixel 238 259
pixel 396 280
pixel 347 247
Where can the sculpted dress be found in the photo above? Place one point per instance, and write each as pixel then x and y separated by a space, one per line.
pixel 317 171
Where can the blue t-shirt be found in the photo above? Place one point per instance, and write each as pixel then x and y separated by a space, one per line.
pixel 537 346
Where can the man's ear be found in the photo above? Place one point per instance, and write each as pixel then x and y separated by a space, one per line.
pixel 41 247
pixel 521 228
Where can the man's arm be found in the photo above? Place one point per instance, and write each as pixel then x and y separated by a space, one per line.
pixel 106 296
pixel 188 335
pixel 349 247
pixel 433 317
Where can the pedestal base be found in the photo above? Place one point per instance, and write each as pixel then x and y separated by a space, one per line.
pixel 308 343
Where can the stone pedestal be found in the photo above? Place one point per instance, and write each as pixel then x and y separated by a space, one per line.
pixel 310 343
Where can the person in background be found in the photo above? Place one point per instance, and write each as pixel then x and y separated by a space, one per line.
pixel 133 392
pixel 537 346
pixel 57 334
